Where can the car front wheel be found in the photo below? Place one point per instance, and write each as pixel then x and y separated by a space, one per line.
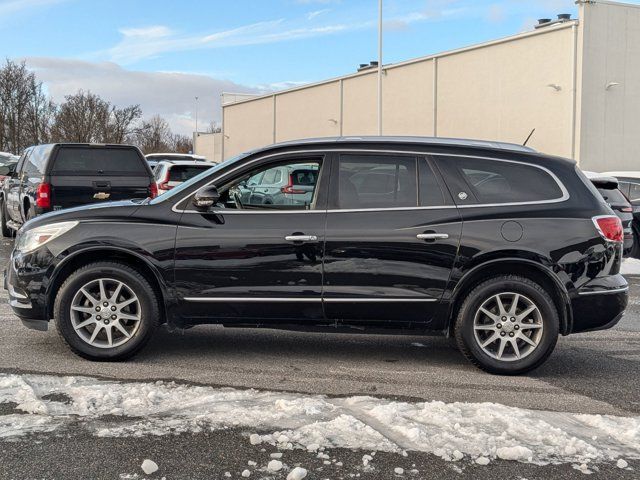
pixel 106 311
pixel 507 325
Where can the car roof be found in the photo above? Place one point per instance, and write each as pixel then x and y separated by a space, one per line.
pixel 152 156
pixel 629 174
pixel 191 163
pixel 435 141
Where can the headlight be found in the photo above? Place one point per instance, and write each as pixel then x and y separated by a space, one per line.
pixel 36 237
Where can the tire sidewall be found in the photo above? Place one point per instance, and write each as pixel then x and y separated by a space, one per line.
pixel 549 334
pixel 148 307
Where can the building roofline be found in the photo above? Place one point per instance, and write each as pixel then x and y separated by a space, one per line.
pixel 446 53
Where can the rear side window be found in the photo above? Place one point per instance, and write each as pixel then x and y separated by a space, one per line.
pixel 98 161
pixel 613 196
pixel 634 192
pixel 182 173
pixel 36 162
pixel 371 181
pixel 496 181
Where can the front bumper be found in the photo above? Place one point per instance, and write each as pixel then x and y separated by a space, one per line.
pixel 600 304
pixel 25 280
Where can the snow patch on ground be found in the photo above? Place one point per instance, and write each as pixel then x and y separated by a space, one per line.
pixel 630 266
pixel 481 432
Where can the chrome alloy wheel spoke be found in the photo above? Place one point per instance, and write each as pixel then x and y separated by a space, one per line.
pixel 105 313
pixel 508 326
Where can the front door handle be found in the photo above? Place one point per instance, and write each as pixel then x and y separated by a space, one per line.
pixel 432 236
pixel 301 238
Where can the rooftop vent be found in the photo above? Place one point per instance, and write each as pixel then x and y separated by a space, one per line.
pixel 546 22
pixel 366 66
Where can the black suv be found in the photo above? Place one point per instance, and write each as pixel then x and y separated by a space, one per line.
pixel 496 245
pixel 56 176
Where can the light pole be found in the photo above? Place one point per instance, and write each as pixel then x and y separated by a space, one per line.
pixel 196 115
pixel 379 67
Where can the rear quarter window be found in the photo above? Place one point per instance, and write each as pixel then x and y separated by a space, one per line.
pixel 501 181
pixel 182 173
pixel 98 161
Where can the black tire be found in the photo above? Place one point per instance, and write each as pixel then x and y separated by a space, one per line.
pixel 6 231
pixel 148 304
pixel 464 326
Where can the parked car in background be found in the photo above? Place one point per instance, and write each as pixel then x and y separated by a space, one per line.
pixel 493 244
pixel 608 187
pixel 155 158
pixel 171 173
pixel 63 175
pixel 629 184
pixel 8 164
pixel 281 186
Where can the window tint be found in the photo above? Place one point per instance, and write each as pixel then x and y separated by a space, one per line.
pixel 182 173
pixel 285 187
pixel 36 163
pixel 370 181
pixel 634 192
pixel 613 196
pixel 98 161
pixel 494 181
pixel 430 192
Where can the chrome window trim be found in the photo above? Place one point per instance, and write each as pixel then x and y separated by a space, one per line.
pixel 604 292
pixel 304 299
pixel 565 193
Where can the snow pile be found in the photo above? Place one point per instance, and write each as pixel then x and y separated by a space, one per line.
pixel 630 266
pixel 452 431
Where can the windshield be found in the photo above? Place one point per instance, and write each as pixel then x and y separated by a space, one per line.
pixel 198 178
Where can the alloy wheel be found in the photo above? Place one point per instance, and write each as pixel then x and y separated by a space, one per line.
pixel 508 326
pixel 105 313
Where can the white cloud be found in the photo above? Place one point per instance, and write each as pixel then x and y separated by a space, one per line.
pixel 11 7
pixel 170 94
pixel 317 13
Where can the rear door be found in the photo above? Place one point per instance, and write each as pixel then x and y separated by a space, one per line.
pixel 392 238
pixel 82 174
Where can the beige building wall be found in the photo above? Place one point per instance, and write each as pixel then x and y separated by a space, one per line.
pixel 309 112
pixel 208 145
pixel 247 125
pixel 503 91
pixel 610 104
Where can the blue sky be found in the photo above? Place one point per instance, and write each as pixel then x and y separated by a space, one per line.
pixel 163 53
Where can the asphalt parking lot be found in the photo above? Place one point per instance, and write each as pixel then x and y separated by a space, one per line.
pixel 595 373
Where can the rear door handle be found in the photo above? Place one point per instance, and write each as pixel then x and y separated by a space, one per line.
pixel 301 238
pixel 432 236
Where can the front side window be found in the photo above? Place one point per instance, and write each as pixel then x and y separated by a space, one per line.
pixel 376 181
pixel 289 186
pixel 498 181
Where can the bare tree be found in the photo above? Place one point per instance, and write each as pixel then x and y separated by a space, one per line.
pixel 154 136
pixel 25 111
pixel 82 117
pixel 213 127
pixel 123 123
pixel 182 144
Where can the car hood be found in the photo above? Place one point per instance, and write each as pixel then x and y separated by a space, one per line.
pixel 108 210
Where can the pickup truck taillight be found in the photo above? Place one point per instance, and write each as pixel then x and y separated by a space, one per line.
pixel 43 195
pixel 153 190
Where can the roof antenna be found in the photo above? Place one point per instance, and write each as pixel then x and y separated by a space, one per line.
pixel 528 138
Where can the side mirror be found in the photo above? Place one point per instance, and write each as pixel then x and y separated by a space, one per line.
pixel 206 197
pixel 5 170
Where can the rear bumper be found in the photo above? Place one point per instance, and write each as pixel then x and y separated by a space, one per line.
pixel 600 304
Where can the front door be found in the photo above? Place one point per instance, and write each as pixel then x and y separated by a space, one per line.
pixel 391 240
pixel 253 262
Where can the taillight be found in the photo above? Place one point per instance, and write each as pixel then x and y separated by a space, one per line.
pixel 626 209
pixel 289 188
pixel 610 227
pixel 153 190
pixel 164 185
pixel 43 195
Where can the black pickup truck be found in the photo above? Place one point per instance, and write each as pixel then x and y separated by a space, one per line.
pixel 63 175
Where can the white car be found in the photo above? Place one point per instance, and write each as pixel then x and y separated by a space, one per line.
pixel 155 158
pixel 171 173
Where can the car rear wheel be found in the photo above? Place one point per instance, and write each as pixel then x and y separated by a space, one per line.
pixel 507 325
pixel 106 311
